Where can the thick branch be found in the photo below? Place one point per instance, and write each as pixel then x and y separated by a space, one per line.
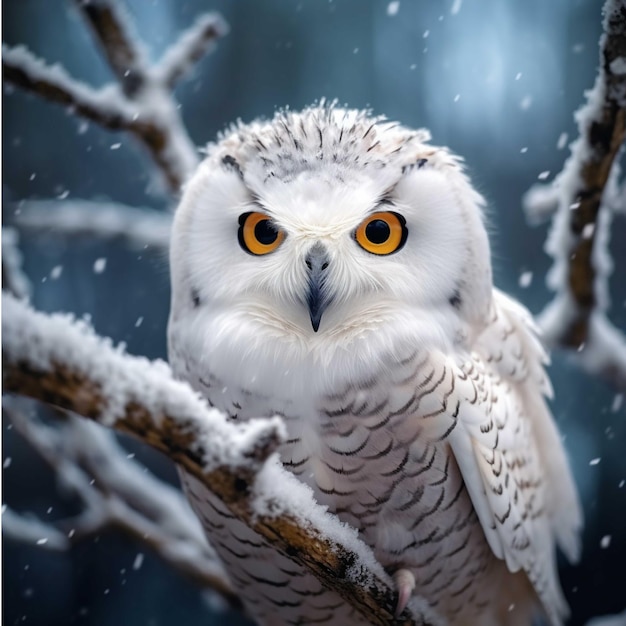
pixel 578 239
pixel 112 28
pixel 55 360
pixel 602 124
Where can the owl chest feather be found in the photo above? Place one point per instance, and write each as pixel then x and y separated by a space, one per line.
pixel 374 451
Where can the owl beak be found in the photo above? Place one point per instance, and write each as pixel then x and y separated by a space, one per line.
pixel 317 262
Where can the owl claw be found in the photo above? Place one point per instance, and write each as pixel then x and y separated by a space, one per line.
pixel 405 581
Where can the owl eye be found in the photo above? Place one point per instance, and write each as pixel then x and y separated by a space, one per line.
pixel 258 235
pixel 382 233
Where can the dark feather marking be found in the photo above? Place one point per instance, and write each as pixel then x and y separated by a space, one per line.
pixel 455 299
pixel 399 468
pixel 295 463
pixel 382 453
pixel 430 511
pixel 415 498
pixel 267 581
pixel 195 298
pixel 367 132
pixel 230 162
pixel 461 546
pixel 457 495
pixel 351 452
pixel 336 492
pixel 342 471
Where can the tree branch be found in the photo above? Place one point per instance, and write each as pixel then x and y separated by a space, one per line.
pixel 23 69
pixel 107 220
pixel 116 492
pixel 60 361
pixel 578 241
pixel 144 105
pixel 191 46
pixel 111 27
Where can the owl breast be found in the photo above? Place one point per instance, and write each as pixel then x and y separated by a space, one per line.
pixel 373 446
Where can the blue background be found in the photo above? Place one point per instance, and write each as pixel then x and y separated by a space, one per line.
pixel 519 69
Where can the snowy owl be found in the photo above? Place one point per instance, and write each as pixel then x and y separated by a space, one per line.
pixel 333 268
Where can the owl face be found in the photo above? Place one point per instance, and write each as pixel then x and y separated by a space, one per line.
pixel 330 223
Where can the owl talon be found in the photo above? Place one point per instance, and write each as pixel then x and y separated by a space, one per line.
pixel 405 581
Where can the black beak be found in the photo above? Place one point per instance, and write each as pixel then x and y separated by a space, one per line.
pixel 317 262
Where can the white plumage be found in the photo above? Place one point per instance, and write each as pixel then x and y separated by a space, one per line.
pixel 334 269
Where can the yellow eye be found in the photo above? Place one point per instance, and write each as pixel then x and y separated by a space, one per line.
pixel 257 234
pixel 382 233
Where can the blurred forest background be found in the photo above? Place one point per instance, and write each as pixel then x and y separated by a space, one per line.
pixel 496 81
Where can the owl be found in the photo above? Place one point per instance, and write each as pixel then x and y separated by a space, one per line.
pixel 333 268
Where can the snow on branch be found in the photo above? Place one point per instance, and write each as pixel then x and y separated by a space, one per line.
pixel 58 360
pixel 14 280
pixel 142 103
pixel 105 106
pixel 140 228
pixel 191 46
pixel 583 199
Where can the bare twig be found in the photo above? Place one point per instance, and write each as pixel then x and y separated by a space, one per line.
pixel 144 105
pixel 579 238
pixel 56 360
pixel 107 220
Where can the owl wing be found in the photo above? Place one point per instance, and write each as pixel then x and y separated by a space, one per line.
pixel 509 452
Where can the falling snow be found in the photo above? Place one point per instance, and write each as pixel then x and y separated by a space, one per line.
pixel 392 8
pixel 618 400
pixel 99 265
pixel 525 279
pixel 605 542
pixel 525 103
pixel 456 7
pixel 138 562
pixel 562 141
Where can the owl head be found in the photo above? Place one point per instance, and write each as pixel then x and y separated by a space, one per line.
pixel 330 223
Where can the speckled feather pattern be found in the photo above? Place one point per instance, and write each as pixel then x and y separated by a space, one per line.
pixel 416 414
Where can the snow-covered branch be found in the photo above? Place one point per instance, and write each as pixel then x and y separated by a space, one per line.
pixel 191 46
pixel 115 492
pixel 61 361
pixel 583 199
pixel 105 106
pixel 140 228
pixel 144 105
